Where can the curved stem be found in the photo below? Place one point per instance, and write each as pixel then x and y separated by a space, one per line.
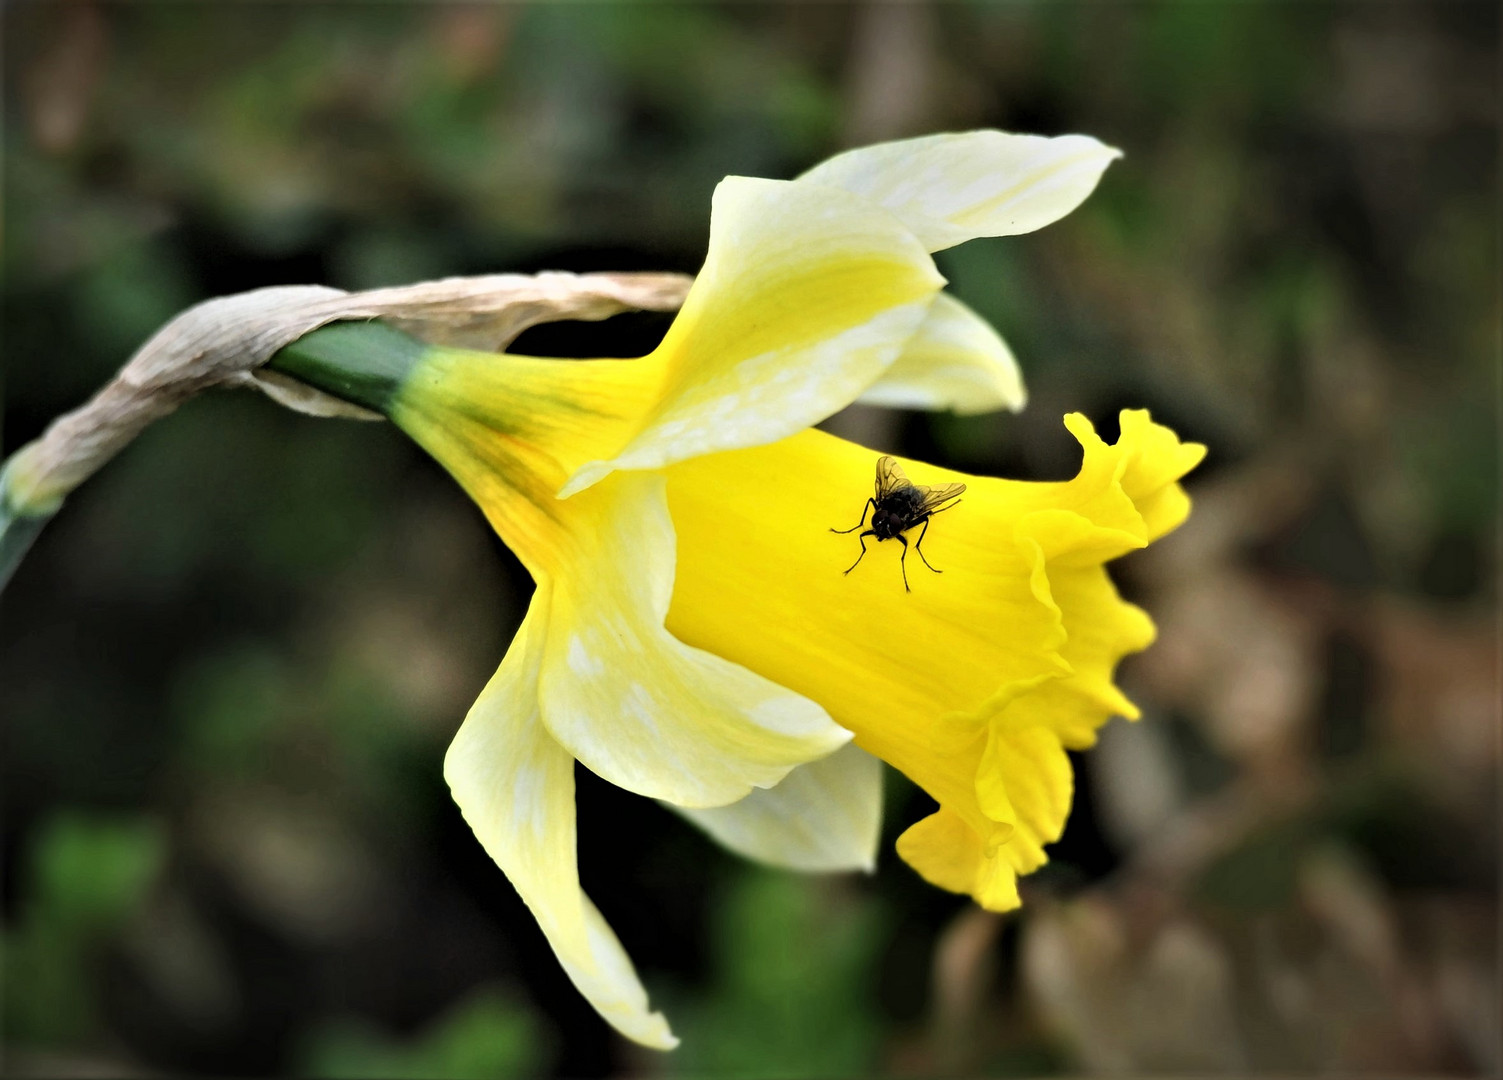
pixel 364 363
pixel 17 531
pixel 349 372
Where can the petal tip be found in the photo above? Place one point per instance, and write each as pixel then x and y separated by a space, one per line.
pixel 656 1034
pixel 586 476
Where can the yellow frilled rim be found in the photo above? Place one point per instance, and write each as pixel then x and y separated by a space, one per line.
pixel 976 681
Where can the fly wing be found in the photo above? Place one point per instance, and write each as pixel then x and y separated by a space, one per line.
pixel 942 493
pixel 890 477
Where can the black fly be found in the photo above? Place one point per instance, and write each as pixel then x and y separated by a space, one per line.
pixel 899 506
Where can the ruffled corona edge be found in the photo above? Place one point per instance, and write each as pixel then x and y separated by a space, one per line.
pixel 1125 496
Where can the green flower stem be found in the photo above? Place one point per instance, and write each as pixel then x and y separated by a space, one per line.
pixel 364 363
pixel 18 528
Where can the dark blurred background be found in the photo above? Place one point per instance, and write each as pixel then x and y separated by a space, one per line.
pixel 230 667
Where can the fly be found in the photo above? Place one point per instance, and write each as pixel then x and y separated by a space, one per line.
pixel 900 505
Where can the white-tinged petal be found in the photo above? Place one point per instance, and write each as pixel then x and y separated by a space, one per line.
pixel 825 816
pixel 955 187
pixel 606 978
pixel 631 701
pixel 955 361
pixel 806 296
pixel 515 786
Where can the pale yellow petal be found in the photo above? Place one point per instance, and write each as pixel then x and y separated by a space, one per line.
pixel 634 703
pixel 807 295
pixel 515 787
pixel 824 816
pixel 954 361
pixel 609 982
pixel 622 694
pixel 955 187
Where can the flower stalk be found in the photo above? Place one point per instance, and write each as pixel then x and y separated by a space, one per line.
pixel 225 342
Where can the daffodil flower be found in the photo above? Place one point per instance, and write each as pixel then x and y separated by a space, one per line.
pixel 692 637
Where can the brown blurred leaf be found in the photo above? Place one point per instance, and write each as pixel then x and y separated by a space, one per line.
pixel 1439 703
pixel 964 966
pixel 1164 1002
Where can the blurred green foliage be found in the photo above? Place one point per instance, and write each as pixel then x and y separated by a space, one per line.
pixel 792 963
pixel 86 877
pixel 486 1037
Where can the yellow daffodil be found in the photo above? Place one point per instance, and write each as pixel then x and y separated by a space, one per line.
pixel 692 637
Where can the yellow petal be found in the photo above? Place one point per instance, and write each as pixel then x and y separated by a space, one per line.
pixel 824 816
pixel 502 452
pixel 807 295
pixel 943 849
pixel 948 853
pixel 1156 460
pixel 1101 628
pixel 515 786
pixel 952 188
pixel 1024 768
pixel 632 702
pixel 954 361
pixel 496 406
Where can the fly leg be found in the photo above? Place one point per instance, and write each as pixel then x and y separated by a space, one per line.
pixel 862 538
pixel 919 547
pixel 870 503
pixel 903 562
